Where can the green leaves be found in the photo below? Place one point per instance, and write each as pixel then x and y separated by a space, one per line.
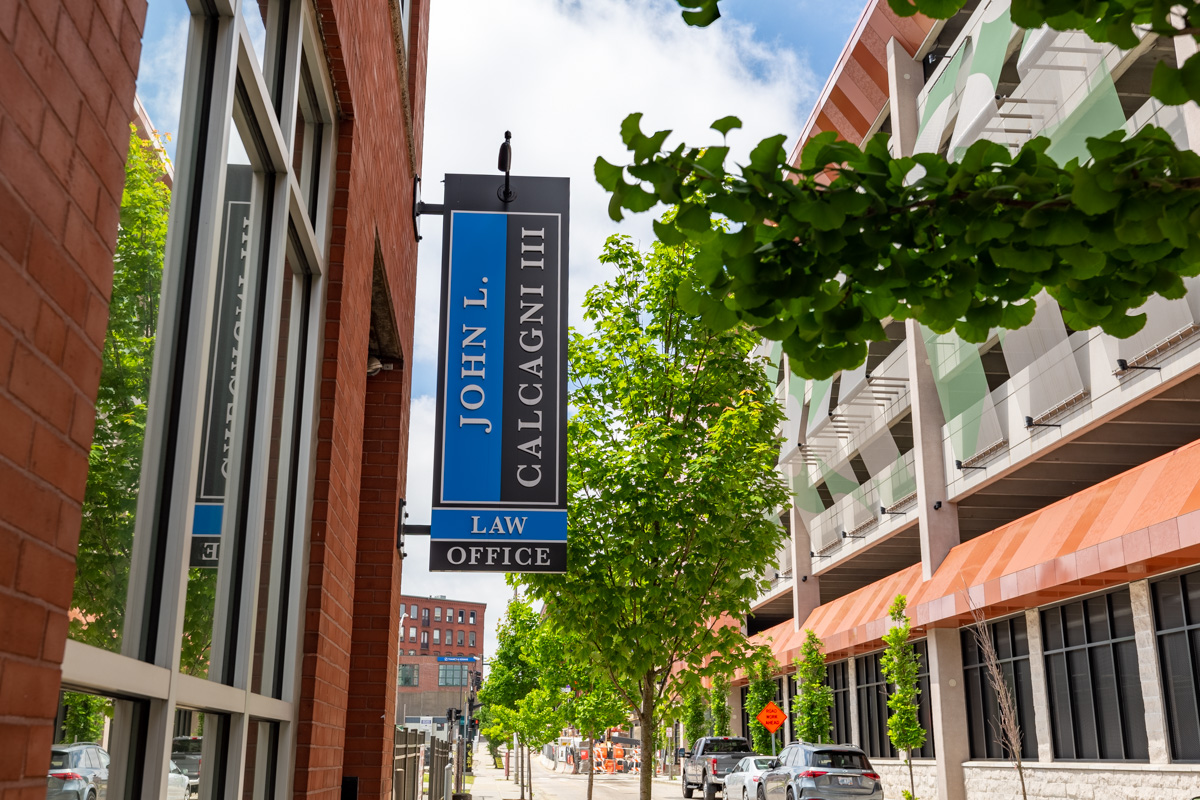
pixel 812 721
pixel 818 256
pixel 671 470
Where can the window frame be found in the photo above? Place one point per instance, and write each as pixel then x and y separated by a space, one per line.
pixel 978 673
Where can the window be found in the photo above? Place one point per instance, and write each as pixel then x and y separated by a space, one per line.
pixel 412 652
pixel 449 615
pixel 472 617
pixel 1177 623
pixel 412 633
pixel 460 616
pixel 425 639
pixel 425 617
pixel 983 718
pixel 437 614
pixel 837 678
pixel 873 691
pixel 449 637
pixel 459 639
pixel 471 639
pixel 1096 710
pixel 409 675
pixel 452 674
pixel 412 611
pixel 437 635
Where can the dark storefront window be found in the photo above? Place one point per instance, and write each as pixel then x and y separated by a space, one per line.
pixel 983 717
pixel 837 678
pixel 873 691
pixel 1177 622
pixel 1092 677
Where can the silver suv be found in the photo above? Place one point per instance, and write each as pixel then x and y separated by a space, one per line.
pixel 827 771
pixel 77 772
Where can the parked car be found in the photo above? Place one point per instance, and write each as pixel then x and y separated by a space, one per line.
pixel 741 782
pixel 711 757
pixel 185 752
pixel 827 771
pixel 77 772
pixel 179 785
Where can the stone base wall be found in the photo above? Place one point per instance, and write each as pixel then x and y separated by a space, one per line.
pixel 894 773
pixel 1075 781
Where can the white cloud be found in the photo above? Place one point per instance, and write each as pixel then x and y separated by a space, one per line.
pixel 562 76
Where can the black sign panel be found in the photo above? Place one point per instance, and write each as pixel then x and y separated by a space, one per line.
pixel 499 488
pixel 224 366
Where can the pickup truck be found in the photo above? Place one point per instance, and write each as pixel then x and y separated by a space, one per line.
pixel 705 765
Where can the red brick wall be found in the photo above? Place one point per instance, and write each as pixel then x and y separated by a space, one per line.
pixel 370 203
pixel 66 98
pixel 370 715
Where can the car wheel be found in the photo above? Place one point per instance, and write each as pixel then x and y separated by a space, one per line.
pixel 687 787
pixel 762 793
pixel 790 796
pixel 744 794
pixel 91 795
pixel 710 790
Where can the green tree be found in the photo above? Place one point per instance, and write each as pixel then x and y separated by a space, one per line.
pixel 85 715
pixel 115 461
pixel 672 483
pixel 900 666
pixel 718 704
pixel 513 676
pixel 695 724
pixel 761 689
pixel 813 722
pixel 818 265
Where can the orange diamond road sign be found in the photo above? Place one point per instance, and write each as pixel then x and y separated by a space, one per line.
pixel 771 717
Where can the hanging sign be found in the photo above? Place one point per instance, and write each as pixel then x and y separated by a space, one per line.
pixel 500 449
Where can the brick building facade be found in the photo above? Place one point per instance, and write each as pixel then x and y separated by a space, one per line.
pixel 433 627
pixel 298 615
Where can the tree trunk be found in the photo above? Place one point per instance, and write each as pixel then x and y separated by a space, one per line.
pixel 912 785
pixel 591 762
pixel 520 770
pixel 646 720
pixel 529 770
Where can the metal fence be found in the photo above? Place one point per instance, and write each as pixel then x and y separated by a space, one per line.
pixel 414 753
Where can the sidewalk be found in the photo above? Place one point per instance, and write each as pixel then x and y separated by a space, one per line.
pixel 489 782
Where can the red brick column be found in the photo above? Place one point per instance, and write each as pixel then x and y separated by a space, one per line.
pixel 371 714
pixel 67 72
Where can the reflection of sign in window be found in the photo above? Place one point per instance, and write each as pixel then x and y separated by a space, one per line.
pixel 224 366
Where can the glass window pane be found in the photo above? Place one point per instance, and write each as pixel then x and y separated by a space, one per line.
pixel 1192 582
pixel 1179 684
pixel 1023 677
pixel 262 752
pixel 217 537
pixel 1133 710
pixel 1082 704
pixel 1122 614
pixel 1052 629
pixel 1073 622
pixel 1002 639
pixel 1168 605
pixel 1060 705
pixel 1020 636
pixel 1104 684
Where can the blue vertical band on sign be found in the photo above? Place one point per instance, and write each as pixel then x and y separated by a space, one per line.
pixel 475 358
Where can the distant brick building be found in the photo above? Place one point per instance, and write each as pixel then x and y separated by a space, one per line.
pixel 246 569
pixel 426 687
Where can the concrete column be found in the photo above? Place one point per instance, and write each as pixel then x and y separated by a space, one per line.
pixel 905 79
pixel 1185 46
pixel 735 714
pixel 939 528
pixel 1152 695
pixel 949 707
pixel 806 587
pixel 852 679
pixel 1041 690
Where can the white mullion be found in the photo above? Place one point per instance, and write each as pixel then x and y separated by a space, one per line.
pixel 95 670
pixel 310 246
pixel 191 395
pixel 294 33
pixel 305 462
pixel 269 709
pixel 197 692
pixel 260 101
